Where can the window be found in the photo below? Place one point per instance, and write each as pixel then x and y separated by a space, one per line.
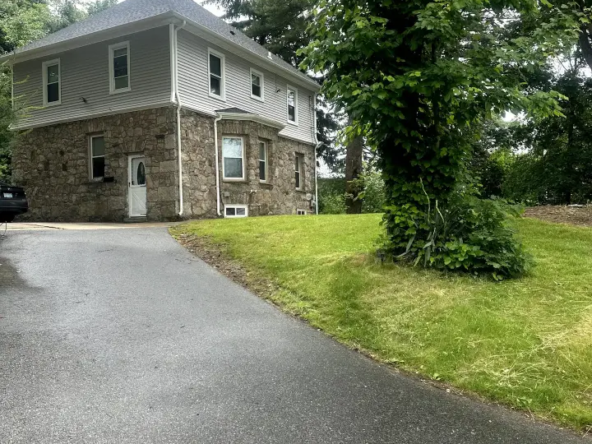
pixel 301 212
pixel 292 105
pixel 52 79
pixel 233 154
pixel 216 70
pixel 231 211
pixel 97 157
pixel 298 171
pixel 119 68
pixel 257 85
pixel 262 161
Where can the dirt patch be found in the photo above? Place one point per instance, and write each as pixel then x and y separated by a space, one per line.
pixel 581 216
pixel 217 256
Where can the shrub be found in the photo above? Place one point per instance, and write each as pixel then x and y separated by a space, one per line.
pixel 466 233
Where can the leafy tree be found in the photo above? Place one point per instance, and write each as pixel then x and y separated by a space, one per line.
pixel 554 164
pixel 420 77
pixel 99 6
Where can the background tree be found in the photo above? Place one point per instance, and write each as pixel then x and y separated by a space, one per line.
pixel 422 77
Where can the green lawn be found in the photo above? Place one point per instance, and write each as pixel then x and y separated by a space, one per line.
pixel 526 343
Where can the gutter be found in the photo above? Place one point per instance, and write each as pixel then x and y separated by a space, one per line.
pixel 218 203
pixel 176 96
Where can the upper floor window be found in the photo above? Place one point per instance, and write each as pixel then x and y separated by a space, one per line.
pixel 119 67
pixel 257 87
pixel 97 157
pixel 292 105
pixel 233 154
pixel 216 74
pixel 263 161
pixel 52 79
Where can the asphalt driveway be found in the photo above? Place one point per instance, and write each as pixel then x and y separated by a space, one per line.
pixel 121 336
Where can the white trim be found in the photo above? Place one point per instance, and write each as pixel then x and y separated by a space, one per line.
pixel 222 58
pixel 92 116
pixel 262 84
pixel 173 61
pixel 235 206
pixel 112 49
pixel 266 160
pixel 301 212
pixel 251 117
pixel 91 157
pixel 44 67
pixel 295 91
pixel 234 179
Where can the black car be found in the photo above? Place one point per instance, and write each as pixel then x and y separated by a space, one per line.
pixel 13 202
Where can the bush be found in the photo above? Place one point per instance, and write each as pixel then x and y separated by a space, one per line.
pixel 332 194
pixel 466 233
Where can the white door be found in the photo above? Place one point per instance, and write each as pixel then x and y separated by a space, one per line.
pixel 137 186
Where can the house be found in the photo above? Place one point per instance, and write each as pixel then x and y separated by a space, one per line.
pixel 159 110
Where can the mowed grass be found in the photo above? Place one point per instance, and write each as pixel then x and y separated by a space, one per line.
pixel 526 343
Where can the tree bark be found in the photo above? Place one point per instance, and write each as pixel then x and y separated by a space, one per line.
pixel 354 156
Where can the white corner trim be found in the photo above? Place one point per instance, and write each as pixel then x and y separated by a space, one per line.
pixel 112 49
pixel 261 76
pixel 222 58
pixel 253 118
pixel 44 67
pixel 295 91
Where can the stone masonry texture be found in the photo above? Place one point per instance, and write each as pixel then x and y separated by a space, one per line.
pixel 53 164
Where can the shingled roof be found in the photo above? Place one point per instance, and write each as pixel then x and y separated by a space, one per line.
pixel 132 11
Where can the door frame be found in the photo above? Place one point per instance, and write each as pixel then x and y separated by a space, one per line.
pixel 130 159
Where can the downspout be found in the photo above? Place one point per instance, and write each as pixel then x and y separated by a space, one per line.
pixel 176 96
pixel 218 204
pixel 317 144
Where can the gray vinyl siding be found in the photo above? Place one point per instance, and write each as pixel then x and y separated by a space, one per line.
pixel 85 73
pixel 194 88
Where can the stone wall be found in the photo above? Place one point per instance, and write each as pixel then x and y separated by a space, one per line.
pixel 52 163
pixel 277 196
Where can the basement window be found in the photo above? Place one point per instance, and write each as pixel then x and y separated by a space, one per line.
pixel 301 212
pixel 234 211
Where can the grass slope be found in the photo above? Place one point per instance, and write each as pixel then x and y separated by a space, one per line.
pixel 526 343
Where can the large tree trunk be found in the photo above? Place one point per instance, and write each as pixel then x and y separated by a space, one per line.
pixel 354 156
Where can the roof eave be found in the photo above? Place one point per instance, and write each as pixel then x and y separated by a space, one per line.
pixel 251 117
pixel 89 39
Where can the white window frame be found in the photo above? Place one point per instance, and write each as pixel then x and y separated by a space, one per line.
pixel 222 58
pixel 44 67
pixel 233 179
pixel 295 91
pixel 262 82
pixel 299 158
pixel 91 157
pixel 112 49
pixel 236 206
pixel 266 160
pixel 301 212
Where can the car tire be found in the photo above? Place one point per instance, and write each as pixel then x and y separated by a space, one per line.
pixel 4 217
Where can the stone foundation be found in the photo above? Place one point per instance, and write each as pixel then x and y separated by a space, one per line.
pixel 53 164
pixel 277 196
